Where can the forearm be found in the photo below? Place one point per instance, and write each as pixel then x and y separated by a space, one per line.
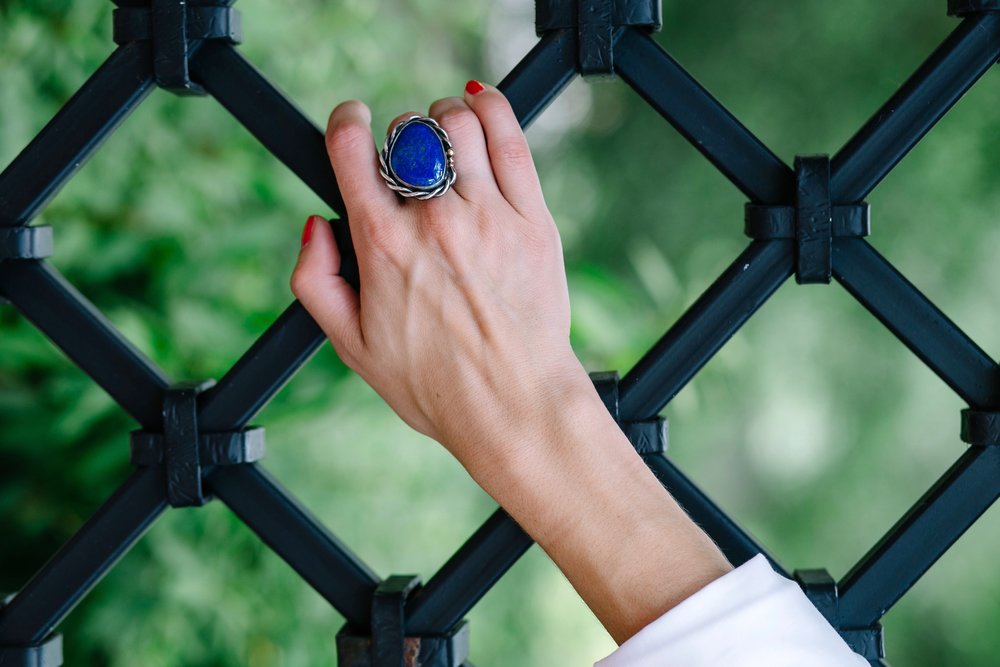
pixel 576 485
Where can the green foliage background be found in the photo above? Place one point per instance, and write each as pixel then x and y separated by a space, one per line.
pixel 813 425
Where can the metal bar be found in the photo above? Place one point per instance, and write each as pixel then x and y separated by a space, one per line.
pixel 299 538
pixel 467 576
pixel 881 143
pixel 87 337
pixel 704 328
pixel 75 133
pixel 269 115
pixel 736 543
pixel 915 543
pixel 280 126
pixel 541 75
pixel 261 372
pixel 84 560
pixel 918 323
pixel 703 121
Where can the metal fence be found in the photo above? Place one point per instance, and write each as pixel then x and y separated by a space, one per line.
pixel 808 220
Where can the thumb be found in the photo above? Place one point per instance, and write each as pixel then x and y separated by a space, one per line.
pixel 331 301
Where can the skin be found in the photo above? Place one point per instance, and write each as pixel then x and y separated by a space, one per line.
pixel 462 326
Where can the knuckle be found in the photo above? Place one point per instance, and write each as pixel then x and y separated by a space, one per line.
pixel 346 137
pixel 459 120
pixel 513 150
pixel 382 240
pixel 299 283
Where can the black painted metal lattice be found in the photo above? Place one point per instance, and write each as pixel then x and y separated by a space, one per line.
pixel 194 443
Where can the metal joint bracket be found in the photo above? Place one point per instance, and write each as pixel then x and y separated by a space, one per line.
pixel 388 646
pixel 25 242
pixel 185 452
pixel 46 653
pixel 648 436
pixel 767 223
pixel 966 7
pixel 176 27
pixel 595 22
pixel 813 220
pixel 980 428
pixel 822 591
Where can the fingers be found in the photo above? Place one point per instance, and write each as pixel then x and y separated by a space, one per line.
pixel 508 150
pixel 329 299
pixel 472 162
pixel 354 159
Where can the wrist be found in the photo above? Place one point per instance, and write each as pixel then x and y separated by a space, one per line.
pixel 534 430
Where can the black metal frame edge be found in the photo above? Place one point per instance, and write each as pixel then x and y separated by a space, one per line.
pixel 75 133
pixel 918 539
pixel 916 322
pixel 702 120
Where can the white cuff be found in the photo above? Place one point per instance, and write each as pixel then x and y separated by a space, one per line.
pixel 750 617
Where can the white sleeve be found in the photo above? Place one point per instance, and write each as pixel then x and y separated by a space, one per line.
pixel 750 617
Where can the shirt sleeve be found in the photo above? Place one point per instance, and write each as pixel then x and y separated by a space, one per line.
pixel 750 617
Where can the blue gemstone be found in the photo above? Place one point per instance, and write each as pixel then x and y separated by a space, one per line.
pixel 417 156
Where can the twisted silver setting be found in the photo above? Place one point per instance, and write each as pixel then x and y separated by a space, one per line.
pixel 406 189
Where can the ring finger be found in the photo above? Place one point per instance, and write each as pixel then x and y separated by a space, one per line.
pixel 472 161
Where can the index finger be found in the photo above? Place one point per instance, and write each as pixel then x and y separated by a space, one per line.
pixel 354 159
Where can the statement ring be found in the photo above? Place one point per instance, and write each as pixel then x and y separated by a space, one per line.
pixel 417 159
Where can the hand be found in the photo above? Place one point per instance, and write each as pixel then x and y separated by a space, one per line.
pixel 462 326
pixel 462 322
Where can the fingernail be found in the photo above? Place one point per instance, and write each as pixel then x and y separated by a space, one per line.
pixel 307 231
pixel 474 87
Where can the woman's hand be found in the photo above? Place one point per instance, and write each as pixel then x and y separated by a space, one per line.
pixel 462 325
pixel 462 322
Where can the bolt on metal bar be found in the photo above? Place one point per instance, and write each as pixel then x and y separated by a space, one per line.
pixel 467 576
pixel 912 111
pixel 922 536
pixel 702 120
pixel 915 321
pixel 84 560
pixel 293 533
pixel 59 311
pixel 75 133
pixel 706 326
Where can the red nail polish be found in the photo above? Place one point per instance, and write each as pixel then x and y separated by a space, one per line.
pixel 474 87
pixel 307 232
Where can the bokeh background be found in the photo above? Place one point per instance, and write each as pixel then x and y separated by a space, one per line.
pixel 813 425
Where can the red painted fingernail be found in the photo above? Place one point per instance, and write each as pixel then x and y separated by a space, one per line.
pixel 307 232
pixel 474 87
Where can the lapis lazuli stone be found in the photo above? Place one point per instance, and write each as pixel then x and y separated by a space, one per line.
pixel 417 156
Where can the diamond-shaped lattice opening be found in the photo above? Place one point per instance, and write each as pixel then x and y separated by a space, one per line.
pixel 840 417
pixel 51 413
pixel 776 65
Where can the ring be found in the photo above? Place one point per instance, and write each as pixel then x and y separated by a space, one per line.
pixel 417 159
